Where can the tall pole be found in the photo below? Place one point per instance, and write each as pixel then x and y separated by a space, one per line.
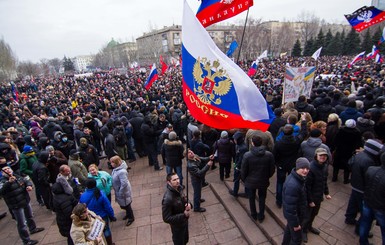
pixel 243 34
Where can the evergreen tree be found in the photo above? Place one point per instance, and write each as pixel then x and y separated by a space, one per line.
pixel 366 42
pixel 352 43
pixel 343 43
pixel 328 38
pixel 296 52
pixel 319 42
pixel 335 45
pixel 68 64
pixel 308 50
pixel 376 37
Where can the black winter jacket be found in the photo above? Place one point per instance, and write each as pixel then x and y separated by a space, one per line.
pixel 15 193
pixel 286 150
pixel 316 182
pixel 374 195
pixel 197 168
pixel 257 168
pixel 225 150
pixel 361 162
pixel 173 206
pixel 294 199
pixel 62 205
pixel 172 151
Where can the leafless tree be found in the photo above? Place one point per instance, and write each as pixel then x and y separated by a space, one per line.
pixel 254 40
pixel 28 68
pixel 311 25
pixel 7 62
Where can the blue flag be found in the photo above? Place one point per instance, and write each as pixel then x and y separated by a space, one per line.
pixel 232 48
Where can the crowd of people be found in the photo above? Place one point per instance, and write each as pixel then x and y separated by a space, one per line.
pixel 57 130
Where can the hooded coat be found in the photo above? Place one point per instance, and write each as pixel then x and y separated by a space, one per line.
pixel 62 205
pixel 121 185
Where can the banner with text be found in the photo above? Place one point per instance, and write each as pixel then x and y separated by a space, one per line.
pixel 298 81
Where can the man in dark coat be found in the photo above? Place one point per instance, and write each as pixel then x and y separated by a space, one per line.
pixel 303 106
pixel 374 199
pixel 225 149
pixel 176 210
pixel 172 151
pixel 295 202
pixel 51 127
pixel 136 122
pixel 88 153
pixel 285 153
pixel 14 189
pixel 350 112
pixel 150 134
pixel 240 150
pixel 197 168
pixel 347 141
pixel 359 165
pixel 41 176
pixel 316 188
pixel 62 205
pixel 257 168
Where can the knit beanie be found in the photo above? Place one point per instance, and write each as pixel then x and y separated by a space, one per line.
pixel 224 134
pixel 351 123
pixel 27 149
pixel 373 147
pixel 302 162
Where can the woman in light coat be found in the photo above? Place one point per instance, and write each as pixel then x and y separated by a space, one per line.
pixel 122 187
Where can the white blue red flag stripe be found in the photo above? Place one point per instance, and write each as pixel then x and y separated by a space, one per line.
pixel 152 77
pixel 15 93
pixel 213 11
pixel 379 59
pixel 365 17
pixel 358 57
pixel 253 68
pixel 382 39
pixel 218 92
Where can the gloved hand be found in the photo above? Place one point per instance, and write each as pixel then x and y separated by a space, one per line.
pixel 112 219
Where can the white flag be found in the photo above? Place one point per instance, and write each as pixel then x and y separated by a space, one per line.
pixel 317 53
pixel 263 55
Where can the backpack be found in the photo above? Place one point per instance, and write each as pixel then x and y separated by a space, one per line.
pixel 120 137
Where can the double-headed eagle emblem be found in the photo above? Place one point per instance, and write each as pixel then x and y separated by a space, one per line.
pixel 365 16
pixel 211 81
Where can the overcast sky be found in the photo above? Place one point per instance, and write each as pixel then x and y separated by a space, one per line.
pixel 37 29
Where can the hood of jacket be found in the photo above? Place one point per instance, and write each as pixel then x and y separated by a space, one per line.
pixel 258 150
pixel 314 142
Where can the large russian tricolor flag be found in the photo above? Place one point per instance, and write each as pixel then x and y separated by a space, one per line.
pixel 218 92
pixel 213 11
pixel 151 78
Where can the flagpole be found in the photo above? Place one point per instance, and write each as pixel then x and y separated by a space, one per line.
pixel 243 34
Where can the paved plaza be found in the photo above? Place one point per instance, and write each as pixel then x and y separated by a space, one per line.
pixel 226 221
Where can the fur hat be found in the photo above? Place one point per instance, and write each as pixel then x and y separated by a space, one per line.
pixel 302 163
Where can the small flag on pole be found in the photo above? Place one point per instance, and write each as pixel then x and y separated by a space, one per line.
pixel 317 53
pixel 152 77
